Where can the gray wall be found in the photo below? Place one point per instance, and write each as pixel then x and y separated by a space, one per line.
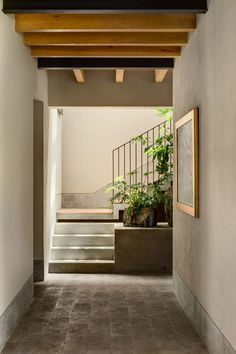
pixel 17 83
pixel 20 83
pixel 100 89
pixel 205 248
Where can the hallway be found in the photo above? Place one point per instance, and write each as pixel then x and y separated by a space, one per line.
pixel 76 314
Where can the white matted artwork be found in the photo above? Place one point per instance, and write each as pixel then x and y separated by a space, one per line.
pixel 186 130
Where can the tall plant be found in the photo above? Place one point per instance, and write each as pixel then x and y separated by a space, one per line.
pixel 147 195
pixel 161 153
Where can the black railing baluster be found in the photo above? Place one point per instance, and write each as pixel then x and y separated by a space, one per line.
pixel 141 144
pixel 136 163
pixel 119 162
pixel 147 159
pixel 130 163
pixel 133 156
pixel 113 171
pixel 153 164
pixel 159 135
pixel 164 129
pixel 124 164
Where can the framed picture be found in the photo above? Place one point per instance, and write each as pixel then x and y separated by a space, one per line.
pixel 187 157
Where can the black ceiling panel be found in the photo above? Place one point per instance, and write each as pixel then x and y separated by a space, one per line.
pixel 103 6
pixel 104 63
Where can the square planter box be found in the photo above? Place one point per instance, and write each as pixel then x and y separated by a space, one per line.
pixel 142 250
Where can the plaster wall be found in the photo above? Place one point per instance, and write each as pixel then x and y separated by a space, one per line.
pixel 100 89
pixel 53 177
pixel 204 248
pixel 88 137
pixel 17 86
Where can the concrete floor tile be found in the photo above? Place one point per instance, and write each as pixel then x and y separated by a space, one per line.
pixel 10 348
pixel 86 314
pixel 121 343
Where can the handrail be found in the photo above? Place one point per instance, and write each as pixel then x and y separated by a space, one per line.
pixel 148 131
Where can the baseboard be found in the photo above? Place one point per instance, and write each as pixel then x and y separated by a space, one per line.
pixel 211 335
pixel 10 318
pixel 38 271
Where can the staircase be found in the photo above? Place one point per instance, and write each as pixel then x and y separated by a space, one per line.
pixel 83 242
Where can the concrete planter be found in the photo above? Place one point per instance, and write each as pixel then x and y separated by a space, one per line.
pixel 146 218
pixel 143 250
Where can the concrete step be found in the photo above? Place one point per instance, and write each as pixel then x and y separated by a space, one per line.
pixel 84 214
pixel 86 266
pixel 82 253
pixel 83 240
pixel 90 228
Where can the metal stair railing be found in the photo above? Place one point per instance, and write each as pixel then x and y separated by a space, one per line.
pixel 130 161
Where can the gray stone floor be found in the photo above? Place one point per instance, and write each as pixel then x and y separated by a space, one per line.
pixel 76 314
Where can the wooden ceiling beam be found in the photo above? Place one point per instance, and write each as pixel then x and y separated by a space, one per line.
pixel 105 23
pixel 106 39
pixel 160 75
pixel 94 6
pixel 120 73
pixel 104 63
pixel 151 52
pixel 79 75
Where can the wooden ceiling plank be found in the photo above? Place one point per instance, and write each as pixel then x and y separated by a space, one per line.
pixel 79 75
pixel 151 52
pixel 160 75
pixel 120 73
pixel 106 39
pixel 104 22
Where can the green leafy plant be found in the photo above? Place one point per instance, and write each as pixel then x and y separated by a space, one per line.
pixel 166 113
pixel 140 196
pixel 136 196
pixel 120 190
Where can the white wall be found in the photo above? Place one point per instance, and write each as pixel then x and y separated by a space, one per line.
pixel 53 177
pixel 205 248
pixel 17 85
pixel 88 137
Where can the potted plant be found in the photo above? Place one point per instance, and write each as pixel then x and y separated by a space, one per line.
pixel 162 153
pixel 142 199
pixel 139 200
pixel 141 207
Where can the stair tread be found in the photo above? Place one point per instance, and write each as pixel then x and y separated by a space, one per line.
pixel 88 223
pixel 87 261
pixel 83 235
pixel 85 211
pixel 82 247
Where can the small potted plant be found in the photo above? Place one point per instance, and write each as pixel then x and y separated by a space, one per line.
pixel 140 202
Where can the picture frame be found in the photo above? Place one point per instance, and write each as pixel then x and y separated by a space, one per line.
pixel 187 163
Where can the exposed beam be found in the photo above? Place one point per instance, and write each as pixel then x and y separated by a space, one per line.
pixel 120 76
pixel 105 23
pixel 125 52
pixel 106 39
pixel 75 6
pixel 79 75
pixel 104 63
pixel 160 74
